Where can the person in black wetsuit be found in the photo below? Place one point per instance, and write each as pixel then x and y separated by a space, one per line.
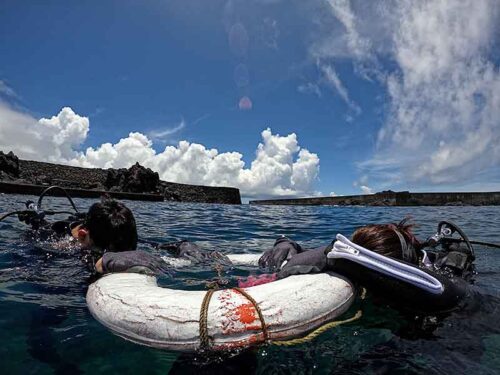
pixel 452 266
pixel 107 225
pixel 107 242
pixel 107 235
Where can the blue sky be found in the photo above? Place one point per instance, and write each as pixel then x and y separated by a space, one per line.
pixel 382 96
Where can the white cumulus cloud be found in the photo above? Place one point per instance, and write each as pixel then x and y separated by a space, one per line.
pixel 280 168
pixel 53 140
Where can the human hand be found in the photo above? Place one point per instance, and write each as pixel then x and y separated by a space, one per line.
pixel 282 251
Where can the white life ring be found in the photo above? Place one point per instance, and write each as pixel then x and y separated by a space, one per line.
pixel 134 307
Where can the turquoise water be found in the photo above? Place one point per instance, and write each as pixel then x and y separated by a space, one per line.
pixel 46 328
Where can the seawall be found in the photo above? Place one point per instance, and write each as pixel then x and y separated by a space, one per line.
pixel 30 189
pixel 390 198
pixel 34 176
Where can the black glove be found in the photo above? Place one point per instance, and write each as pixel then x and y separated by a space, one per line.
pixel 297 270
pixel 133 261
pixel 283 249
pixel 191 251
pixel 311 261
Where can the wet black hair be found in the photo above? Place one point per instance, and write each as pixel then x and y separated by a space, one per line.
pixel 111 226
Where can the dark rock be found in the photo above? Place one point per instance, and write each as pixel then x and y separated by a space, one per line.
pixel 38 173
pixel 114 178
pixel 142 179
pixel 136 179
pixel 385 192
pixel 9 165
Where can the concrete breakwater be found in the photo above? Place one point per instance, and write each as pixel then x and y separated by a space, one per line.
pixel 137 182
pixel 391 198
pixel 30 189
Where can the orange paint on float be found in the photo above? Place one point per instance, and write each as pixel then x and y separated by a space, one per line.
pixel 246 313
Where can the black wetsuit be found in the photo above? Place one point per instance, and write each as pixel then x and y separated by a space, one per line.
pixel 397 293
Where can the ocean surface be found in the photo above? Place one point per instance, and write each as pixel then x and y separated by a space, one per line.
pixel 45 326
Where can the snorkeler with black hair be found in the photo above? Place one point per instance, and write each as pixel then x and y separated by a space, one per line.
pixel 106 234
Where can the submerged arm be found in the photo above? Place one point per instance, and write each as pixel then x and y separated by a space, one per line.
pixel 191 251
pixel 130 261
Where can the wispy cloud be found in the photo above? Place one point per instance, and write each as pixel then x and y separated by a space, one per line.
pixel 442 84
pixel 331 78
pixel 310 88
pixel 163 135
pixel 201 118
pixel 357 45
pixel 445 98
pixel 6 90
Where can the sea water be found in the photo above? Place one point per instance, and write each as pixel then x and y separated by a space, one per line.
pixel 45 326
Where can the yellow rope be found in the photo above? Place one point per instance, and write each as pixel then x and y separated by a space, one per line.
pixel 204 338
pixel 318 331
pixel 363 294
pixel 323 328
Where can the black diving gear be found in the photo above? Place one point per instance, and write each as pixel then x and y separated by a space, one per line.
pixel 119 261
pixel 449 262
pixel 451 255
pixel 35 217
pixel 55 188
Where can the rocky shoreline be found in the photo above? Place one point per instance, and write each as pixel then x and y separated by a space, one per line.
pixel 392 198
pixel 137 182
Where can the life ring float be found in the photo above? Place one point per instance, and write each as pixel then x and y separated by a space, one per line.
pixel 134 307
